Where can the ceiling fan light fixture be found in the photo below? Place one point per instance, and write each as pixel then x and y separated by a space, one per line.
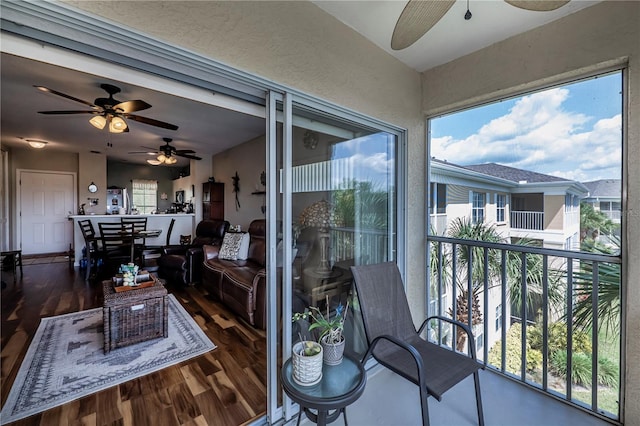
pixel 154 162
pixel 98 121
pixel 171 160
pixel 161 158
pixel 117 125
pixel 36 143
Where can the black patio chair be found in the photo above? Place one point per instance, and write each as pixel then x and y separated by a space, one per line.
pixel 395 343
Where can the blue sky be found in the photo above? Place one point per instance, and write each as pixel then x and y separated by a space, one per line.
pixel 572 131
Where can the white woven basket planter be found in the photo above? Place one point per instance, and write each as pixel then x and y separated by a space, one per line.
pixel 307 370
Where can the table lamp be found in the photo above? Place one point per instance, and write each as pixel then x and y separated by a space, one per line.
pixel 320 215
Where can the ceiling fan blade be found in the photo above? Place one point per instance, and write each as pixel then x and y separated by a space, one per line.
pixel 193 157
pixel 538 5
pixel 151 122
pixel 416 19
pixel 131 106
pixel 68 112
pixel 64 95
pixel 184 151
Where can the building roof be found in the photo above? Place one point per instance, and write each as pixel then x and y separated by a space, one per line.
pixel 604 188
pixel 513 174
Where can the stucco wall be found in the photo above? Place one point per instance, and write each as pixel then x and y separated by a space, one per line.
pixel 554 212
pixel 605 34
pixel 248 159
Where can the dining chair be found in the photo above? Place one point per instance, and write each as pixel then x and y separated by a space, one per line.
pixel 116 244
pixel 395 343
pixel 138 224
pixel 91 244
pixel 151 254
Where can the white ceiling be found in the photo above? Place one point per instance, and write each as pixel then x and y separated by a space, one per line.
pixel 204 127
pixel 453 36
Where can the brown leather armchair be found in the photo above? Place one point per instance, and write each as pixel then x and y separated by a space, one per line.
pixel 183 264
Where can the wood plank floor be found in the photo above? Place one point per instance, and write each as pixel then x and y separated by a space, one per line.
pixel 224 387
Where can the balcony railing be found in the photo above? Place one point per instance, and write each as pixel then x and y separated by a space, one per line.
pixel 367 245
pixel 557 342
pixel 527 220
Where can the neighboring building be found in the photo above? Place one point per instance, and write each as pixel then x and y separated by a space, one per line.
pixel 520 203
pixel 605 196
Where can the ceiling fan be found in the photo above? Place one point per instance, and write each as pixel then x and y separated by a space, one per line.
pixel 419 16
pixel 166 153
pixel 109 111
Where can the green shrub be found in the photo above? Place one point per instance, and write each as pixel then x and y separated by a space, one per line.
pixel 514 352
pixel 581 368
pixel 607 372
pixel 557 338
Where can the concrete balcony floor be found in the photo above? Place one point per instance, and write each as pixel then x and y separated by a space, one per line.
pixel 390 400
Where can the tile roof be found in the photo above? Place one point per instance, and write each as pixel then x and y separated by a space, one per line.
pixel 513 174
pixel 604 188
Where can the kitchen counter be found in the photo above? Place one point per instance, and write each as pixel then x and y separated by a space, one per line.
pixel 185 225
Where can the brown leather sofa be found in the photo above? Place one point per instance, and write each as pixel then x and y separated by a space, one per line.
pixel 240 284
pixel 183 264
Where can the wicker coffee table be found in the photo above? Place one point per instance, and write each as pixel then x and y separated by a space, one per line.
pixel 134 316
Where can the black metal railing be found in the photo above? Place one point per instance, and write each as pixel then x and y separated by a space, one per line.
pixel 548 318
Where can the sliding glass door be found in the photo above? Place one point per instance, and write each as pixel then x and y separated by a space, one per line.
pixel 336 194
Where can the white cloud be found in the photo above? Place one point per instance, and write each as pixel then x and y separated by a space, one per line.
pixel 539 134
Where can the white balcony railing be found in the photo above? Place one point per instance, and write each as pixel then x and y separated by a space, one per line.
pixel 527 220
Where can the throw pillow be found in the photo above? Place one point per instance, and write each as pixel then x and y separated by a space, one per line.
pixel 243 253
pixel 231 246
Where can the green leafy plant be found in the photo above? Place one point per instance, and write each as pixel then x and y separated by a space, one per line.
pixel 329 326
pixel 310 348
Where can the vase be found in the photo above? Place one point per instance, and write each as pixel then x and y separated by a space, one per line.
pixel 333 352
pixel 307 370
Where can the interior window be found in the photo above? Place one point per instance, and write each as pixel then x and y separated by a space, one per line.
pixel 145 195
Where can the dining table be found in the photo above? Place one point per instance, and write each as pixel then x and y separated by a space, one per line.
pixel 133 235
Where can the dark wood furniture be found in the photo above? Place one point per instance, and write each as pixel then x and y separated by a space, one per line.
pixel 340 386
pixel 13 258
pixel 134 316
pixel 213 200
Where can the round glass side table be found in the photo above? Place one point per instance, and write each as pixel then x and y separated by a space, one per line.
pixel 340 386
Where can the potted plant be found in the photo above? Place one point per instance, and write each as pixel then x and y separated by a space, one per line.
pixel 331 330
pixel 307 362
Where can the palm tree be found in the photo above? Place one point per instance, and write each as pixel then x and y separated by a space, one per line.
pixel 608 292
pixel 593 222
pixel 462 228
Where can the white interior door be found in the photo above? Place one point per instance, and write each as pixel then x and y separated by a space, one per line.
pixel 46 200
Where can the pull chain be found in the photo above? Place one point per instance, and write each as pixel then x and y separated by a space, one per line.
pixel 467 15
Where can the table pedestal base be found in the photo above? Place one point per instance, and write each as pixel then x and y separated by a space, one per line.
pixel 323 417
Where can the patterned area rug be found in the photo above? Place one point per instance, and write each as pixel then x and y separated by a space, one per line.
pixel 66 361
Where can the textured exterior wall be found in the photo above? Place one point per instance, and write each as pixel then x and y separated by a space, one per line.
pixel 554 212
pixel 607 33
